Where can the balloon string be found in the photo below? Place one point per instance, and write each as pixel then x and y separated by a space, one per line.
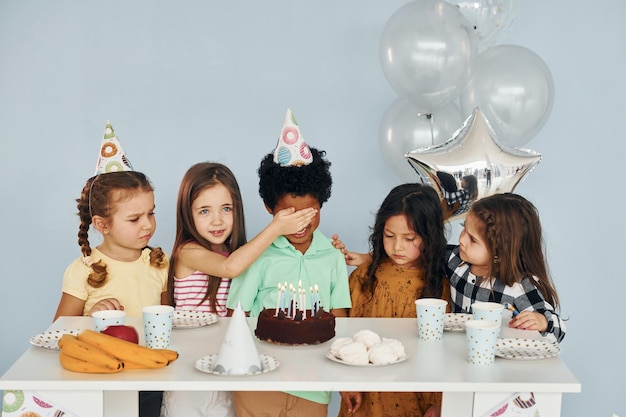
pixel 432 133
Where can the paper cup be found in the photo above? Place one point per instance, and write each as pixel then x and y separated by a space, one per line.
pixel 482 336
pixel 157 326
pixel 105 318
pixel 487 311
pixel 430 318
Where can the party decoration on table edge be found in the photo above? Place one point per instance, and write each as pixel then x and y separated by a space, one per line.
pixel 94 352
pixel 291 149
pixel 238 355
pixel 520 404
pixel 27 403
pixel 112 156
pixel 366 348
pixel 475 155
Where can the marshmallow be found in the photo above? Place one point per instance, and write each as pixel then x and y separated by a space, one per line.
pixel 367 337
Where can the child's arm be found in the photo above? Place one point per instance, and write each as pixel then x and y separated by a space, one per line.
pixel 530 320
pixel 352 258
pixel 196 258
pixel 339 312
pixel 72 306
pixel 69 306
pixel 536 313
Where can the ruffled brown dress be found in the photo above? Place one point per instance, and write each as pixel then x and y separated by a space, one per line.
pixel 395 295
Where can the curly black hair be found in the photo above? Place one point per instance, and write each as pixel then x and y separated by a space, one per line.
pixel 275 181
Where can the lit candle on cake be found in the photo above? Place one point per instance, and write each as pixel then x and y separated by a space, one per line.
pixel 317 298
pixel 282 296
pixel 278 299
pixel 303 301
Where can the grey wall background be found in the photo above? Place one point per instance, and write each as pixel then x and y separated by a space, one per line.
pixel 183 82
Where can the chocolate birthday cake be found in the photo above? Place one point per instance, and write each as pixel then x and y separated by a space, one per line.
pixel 299 330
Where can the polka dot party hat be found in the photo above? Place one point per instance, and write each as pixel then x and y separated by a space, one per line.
pixel 112 156
pixel 291 150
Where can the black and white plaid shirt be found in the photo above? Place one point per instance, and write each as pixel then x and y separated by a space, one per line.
pixel 461 197
pixel 522 295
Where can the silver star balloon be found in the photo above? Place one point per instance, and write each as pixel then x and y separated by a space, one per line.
pixel 471 165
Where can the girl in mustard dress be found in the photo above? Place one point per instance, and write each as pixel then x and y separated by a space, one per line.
pixel 407 263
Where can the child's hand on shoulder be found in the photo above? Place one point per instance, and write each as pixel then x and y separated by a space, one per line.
pixel 290 221
pixel 106 304
pixel 529 320
pixel 352 258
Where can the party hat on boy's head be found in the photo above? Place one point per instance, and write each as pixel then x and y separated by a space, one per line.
pixel 291 149
pixel 112 156
pixel 238 355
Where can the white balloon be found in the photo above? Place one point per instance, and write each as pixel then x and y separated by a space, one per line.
pixel 491 19
pixel 403 129
pixel 514 88
pixel 427 49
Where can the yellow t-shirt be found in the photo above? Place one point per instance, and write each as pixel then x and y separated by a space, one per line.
pixel 135 284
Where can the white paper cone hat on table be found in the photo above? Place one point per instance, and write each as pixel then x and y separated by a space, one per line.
pixel 238 354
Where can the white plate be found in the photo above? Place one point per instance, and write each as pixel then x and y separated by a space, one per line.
pixel 50 339
pixel 191 319
pixel 455 322
pixel 205 364
pixel 525 349
pixel 333 358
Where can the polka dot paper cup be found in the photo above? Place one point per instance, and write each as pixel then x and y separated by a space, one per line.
pixel 157 326
pixel 482 336
pixel 431 314
pixel 105 318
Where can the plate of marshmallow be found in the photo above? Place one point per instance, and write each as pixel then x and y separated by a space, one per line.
pixel 366 348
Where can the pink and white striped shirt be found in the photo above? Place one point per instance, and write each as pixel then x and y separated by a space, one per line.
pixel 189 292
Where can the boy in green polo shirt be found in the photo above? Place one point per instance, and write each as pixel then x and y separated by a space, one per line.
pixel 293 176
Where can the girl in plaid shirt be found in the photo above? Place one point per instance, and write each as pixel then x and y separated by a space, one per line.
pixel 500 258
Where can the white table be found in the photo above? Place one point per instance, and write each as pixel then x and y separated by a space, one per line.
pixel 431 366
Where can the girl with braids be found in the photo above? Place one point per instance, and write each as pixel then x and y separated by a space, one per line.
pixel 123 272
pixel 209 249
pixel 500 258
pixel 407 246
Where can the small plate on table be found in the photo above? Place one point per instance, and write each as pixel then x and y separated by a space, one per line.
pixel 455 322
pixel 50 339
pixel 184 319
pixel 333 358
pixel 206 364
pixel 526 349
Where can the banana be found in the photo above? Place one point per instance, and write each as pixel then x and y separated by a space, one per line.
pixel 125 351
pixel 78 365
pixel 170 355
pixel 71 346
